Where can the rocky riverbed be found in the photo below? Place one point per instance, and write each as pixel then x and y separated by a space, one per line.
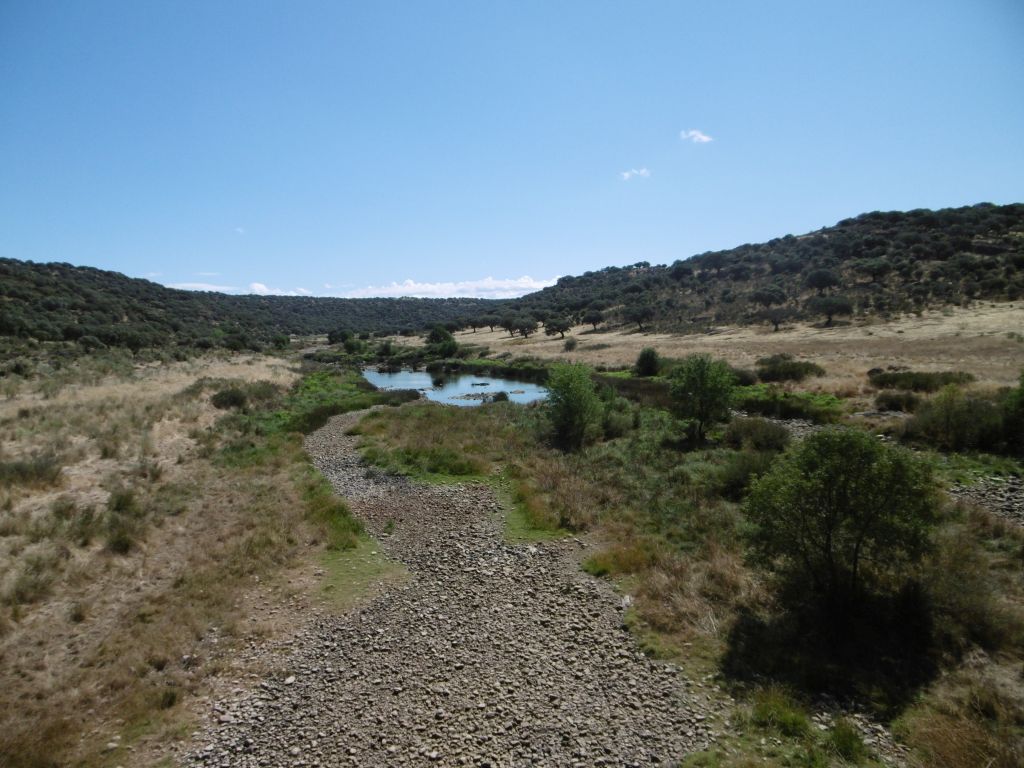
pixel 490 654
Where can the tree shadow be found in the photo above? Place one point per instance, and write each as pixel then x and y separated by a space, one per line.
pixel 879 653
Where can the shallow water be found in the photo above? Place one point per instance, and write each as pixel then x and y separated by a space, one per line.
pixel 456 389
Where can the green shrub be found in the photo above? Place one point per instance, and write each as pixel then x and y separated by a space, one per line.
pixel 839 512
pixel 570 344
pixel 743 377
pixel 756 434
pixel 648 363
pixel 896 400
pixel 844 740
pixel 702 391
pixel 782 367
pixel 775 710
pixel 225 399
pixel 39 470
pixel 771 400
pixel 740 470
pixel 572 407
pixel 955 421
pixel 918 381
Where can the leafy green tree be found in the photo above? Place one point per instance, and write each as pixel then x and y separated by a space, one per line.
pixel 490 321
pixel 573 407
pixel 593 317
pixel 830 306
pixel 648 362
pixel 338 336
pixel 525 325
pixel 702 391
pixel 776 316
pixel 839 509
pixel 768 296
pixel 440 342
pixel 639 314
pixel 557 325
pixel 820 279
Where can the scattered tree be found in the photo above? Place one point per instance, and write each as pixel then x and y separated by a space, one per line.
pixel 648 363
pixel 573 406
pixel 820 279
pixel 525 326
pixel 841 509
pixel 830 306
pixel 557 325
pixel 593 317
pixel 639 314
pixel 702 391
pixel 768 296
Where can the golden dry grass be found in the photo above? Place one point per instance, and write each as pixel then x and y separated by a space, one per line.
pixel 93 643
pixel 977 340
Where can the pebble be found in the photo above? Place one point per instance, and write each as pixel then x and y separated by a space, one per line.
pixel 490 653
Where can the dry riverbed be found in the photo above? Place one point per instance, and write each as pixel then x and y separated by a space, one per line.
pixel 489 653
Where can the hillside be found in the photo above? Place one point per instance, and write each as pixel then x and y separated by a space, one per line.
pixel 877 263
pixel 61 302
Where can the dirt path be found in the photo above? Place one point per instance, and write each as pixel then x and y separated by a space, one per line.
pixel 489 654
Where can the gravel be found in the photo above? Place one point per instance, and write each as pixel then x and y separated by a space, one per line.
pixel 490 654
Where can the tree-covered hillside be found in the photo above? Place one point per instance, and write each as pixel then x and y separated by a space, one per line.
pixel 55 302
pixel 876 263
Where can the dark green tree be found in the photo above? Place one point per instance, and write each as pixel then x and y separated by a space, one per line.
pixel 648 362
pixel 573 407
pixel 557 325
pixel 829 306
pixel 702 391
pixel 841 509
pixel 820 279
pixel 593 317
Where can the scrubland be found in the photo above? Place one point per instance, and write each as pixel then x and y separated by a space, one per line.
pixel 139 526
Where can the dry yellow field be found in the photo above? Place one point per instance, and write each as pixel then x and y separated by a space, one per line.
pixel 986 340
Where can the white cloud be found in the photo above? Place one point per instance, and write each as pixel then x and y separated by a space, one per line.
pixel 487 288
pixel 203 287
pixel 152 274
pixel 697 137
pixel 260 289
pixel 240 230
pixel 642 173
pixel 208 274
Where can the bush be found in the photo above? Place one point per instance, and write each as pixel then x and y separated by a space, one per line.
pixel 38 470
pixel 740 470
pixel 756 434
pixel 955 421
pixel 648 363
pixel 770 400
pixel 743 377
pixel 918 381
pixel 573 407
pixel 841 511
pixel 570 344
pixel 233 397
pixel 906 402
pixel 783 367
pixel 702 391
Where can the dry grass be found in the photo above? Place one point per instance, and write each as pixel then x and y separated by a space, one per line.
pixel 99 639
pixel 977 340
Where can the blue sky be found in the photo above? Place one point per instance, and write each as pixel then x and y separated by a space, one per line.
pixel 483 148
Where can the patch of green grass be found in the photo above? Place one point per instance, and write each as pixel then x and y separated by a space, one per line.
pixel 775 710
pixel 771 400
pixel 354 575
pixel 970 468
